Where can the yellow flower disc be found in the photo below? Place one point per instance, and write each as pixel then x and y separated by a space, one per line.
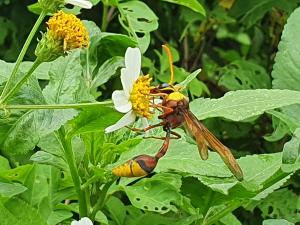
pixel 68 29
pixel 139 96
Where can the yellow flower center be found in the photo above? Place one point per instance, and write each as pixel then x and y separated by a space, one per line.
pixel 139 96
pixel 68 29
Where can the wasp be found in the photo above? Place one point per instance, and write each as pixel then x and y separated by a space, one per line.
pixel 176 113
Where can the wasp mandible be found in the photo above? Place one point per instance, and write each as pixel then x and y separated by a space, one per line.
pixel 176 113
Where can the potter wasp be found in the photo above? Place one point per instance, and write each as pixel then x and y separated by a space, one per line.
pixel 176 113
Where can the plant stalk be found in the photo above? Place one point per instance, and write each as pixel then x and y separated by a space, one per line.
pixel 56 106
pixel 66 143
pixel 22 53
pixel 104 18
pixel 18 85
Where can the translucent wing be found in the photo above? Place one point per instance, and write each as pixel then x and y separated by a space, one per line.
pixel 205 138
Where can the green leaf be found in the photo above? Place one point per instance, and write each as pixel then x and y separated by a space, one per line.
pixel 5 70
pixel 94 119
pixel 105 46
pixel 265 166
pixel 10 190
pixel 251 11
pixel 139 20
pixel 101 218
pixel 49 159
pixel 277 222
pixel 16 211
pixel 287 64
pixel 138 16
pixel 189 78
pixel 242 75
pixel 192 4
pixel 66 84
pixel 243 104
pixel 21 131
pixel 162 192
pixel 18 174
pixel 107 70
pixel 4 164
pixel 117 210
pixel 291 152
pixel 58 216
pixel 38 184
pixel 230 219
pixel 136 217
pixel 92 28
pixel 272 184
pixel 281 204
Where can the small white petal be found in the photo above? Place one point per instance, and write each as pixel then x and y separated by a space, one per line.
pixel 121 101
pixel 86 4
pixel 126 120
pixel 82 221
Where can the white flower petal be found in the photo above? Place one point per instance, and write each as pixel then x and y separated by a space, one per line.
pixel 121 101
pixel 82 221
pixel 133 60
pixel 86 4
pixel 126 120
pixel 127 81
pixel 132 69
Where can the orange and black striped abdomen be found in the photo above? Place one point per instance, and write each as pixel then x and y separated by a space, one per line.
pixel 139 166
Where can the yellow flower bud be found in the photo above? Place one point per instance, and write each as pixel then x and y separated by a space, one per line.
pixel 65 32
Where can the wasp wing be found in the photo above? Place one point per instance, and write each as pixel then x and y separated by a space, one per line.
pixel 193 128
pixel 205 138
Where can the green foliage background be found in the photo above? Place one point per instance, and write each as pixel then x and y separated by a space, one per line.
pixel 247 94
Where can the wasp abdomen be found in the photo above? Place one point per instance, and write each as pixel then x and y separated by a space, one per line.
pixel 139 166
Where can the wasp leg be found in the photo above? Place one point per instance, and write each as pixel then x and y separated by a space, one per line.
pixel 167 110
pixel 147 128
pixel 162 151
pixel 177 136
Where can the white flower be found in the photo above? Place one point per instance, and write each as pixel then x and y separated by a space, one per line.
pixel 86 4
pixel 82 221
pixel 134 98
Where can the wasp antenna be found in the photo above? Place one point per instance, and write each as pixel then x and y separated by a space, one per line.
pixel 170 58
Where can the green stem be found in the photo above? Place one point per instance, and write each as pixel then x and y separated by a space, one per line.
pixel 101 201
pixel 22 53
pixel 66 143
pixel 17 86
pixel 104 18
pixel 56 106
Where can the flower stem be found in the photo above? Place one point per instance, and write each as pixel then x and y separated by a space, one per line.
pixel 66 143
pixel 22 53
pixel 104 18
pixel 17 86
pixel 56 106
